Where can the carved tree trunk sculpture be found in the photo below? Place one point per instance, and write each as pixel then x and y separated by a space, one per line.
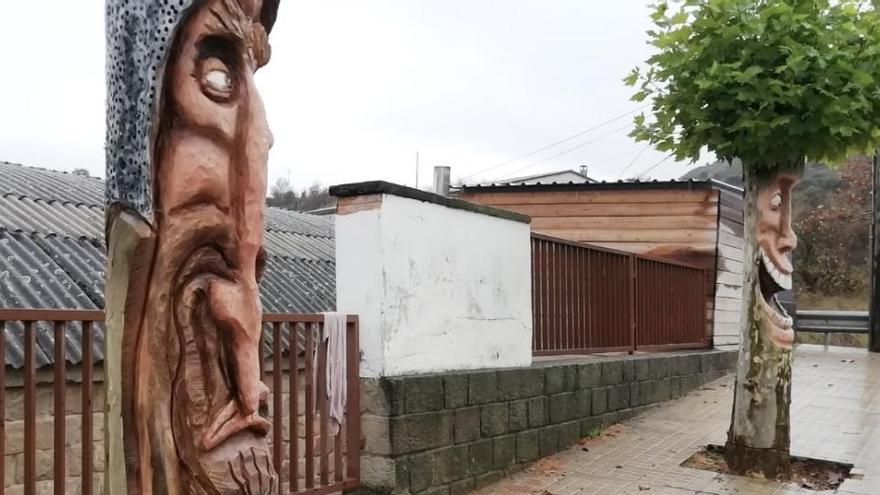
pixel 187 142
pixel 759 436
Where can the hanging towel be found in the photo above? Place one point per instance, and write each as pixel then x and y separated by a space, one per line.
pixel 337 387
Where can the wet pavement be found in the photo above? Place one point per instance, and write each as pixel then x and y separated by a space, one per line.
pixel 835 416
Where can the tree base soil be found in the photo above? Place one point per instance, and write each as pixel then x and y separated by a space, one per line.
pixel 814 474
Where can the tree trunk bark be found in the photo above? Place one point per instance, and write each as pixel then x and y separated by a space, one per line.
pixel 759 436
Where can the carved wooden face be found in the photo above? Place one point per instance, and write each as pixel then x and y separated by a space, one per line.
pixel 204 314
pixel 776 240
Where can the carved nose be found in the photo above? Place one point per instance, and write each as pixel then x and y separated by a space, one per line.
pixel 252 400
pixel 788 241
pixel 237 308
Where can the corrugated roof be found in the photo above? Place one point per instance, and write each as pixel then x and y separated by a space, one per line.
pixel 52 256
pixel 590 186
pixel 534 177
pixel 50 185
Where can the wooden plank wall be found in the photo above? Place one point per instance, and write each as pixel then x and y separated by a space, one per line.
pixel 676 224
pixel 729 275
pixel 670 223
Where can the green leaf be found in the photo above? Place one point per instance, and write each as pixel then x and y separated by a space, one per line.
pixel 680 18
pixel 764 81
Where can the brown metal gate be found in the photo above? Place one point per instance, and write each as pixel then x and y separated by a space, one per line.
pixel 315 457
pixel 45 341
pixel 591 299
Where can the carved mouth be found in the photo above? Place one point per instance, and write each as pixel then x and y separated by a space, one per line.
pixel 772 280
pixel 229 422
pixel 780 275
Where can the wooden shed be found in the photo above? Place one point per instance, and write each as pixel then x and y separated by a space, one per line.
pixel 697 222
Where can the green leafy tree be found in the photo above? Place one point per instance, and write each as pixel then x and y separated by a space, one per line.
pixel 772 83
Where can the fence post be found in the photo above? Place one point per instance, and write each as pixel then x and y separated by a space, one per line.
pixel 633 278
pixel 710 329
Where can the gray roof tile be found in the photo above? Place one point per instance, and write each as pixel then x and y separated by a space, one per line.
pixel 52 256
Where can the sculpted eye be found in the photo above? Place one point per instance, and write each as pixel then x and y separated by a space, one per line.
pixel 776 201
pixel 216 80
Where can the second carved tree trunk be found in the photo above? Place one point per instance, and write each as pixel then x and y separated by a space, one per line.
pixel 759 435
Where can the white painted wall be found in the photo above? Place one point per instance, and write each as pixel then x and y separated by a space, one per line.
pixel 436 288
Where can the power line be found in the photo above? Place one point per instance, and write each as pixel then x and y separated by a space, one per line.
pixel 630 164
pixel 652 167
pixel 557 143
pixel 545 160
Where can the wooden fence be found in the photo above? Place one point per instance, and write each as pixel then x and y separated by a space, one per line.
pixel 312 456
pixel 587 299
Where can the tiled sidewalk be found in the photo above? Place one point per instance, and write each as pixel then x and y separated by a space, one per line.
pixel 835 413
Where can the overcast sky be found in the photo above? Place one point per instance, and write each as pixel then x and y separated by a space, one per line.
pixel 355 88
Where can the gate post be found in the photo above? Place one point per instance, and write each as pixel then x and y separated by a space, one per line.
pixel 874 307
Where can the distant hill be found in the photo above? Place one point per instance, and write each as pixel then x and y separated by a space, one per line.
pixel 720 170
pixel 817 183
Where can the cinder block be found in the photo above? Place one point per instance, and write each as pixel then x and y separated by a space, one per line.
pixel 493 420
pixel 520 383
pixel 422 431
pixel 612 373
pixel 467 424
pixel 482 387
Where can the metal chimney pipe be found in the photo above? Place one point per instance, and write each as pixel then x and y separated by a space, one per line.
pixel 441 180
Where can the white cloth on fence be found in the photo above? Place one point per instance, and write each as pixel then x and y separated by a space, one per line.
pixel 337 386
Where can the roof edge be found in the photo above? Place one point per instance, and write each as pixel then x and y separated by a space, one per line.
pixel 383 187
pixel 596 186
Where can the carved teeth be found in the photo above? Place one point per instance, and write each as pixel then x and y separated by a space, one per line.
pixel 783 280
pixel 775 312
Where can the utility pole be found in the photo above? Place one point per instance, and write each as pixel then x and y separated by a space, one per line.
pixel 874 307
pixel 417 169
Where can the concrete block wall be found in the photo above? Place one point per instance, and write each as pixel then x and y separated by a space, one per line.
pixel 451 433
pixel 45 437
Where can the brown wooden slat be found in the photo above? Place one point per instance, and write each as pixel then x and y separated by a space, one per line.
pixel 277 394
pixel 87 459
pixel 623 196
pixel 298 318
pixel 323 412
pixel 545 300
pixel 7 314
pixel 293 466
pixel 3 404
pixel 686 236
pixel 631 299
pixel 338 473
pixel 614 222
pixel 261 353
pixel 682 210
pixel 310 407
pixel 30 412
pixel 353 405
pixel 59 393
pixel 535 304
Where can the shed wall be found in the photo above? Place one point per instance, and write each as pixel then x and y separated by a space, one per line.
pixel 676 224
pixel 729 270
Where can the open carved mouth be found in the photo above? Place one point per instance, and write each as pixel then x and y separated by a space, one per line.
pixel 771 281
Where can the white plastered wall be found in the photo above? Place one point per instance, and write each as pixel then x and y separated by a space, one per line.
pixel 436 288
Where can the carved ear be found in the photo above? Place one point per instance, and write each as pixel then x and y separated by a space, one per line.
pixel 270 12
